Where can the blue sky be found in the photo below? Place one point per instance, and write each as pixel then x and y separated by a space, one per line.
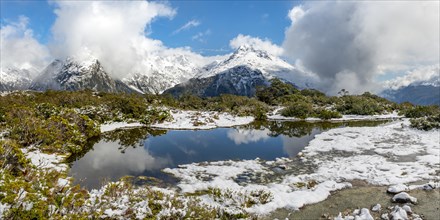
pixel 347 44
pixel 218 22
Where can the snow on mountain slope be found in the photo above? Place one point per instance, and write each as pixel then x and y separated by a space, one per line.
pixel 77 74
pixel 15 79
pixel 239 80
pixel 162 72
pixel 270 66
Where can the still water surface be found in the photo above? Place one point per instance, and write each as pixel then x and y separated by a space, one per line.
pixel 145 152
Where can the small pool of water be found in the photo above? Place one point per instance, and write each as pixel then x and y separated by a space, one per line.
pixel 145 152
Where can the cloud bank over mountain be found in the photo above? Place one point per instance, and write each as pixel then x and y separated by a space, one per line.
pixel 425 74
pixel 113 31
pixel 20 49
pixel 349 43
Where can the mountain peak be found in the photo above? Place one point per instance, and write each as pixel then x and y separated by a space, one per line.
pixel 82 61
pixel 247 53
pixel 246 47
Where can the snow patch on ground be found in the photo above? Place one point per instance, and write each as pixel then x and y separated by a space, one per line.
pixel 389 154
pixel 4 208
pixel 276 115
pixel 117 125
pixel 45 161
pixel 202 120
pixel 225 176
pixel 395 139
pixel 62 182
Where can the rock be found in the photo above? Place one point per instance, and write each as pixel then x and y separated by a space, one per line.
pixel 399 214
pixel 397 188
pixel 384 216
pixel 429 186
pixel 416 217
pixel 282 166
pixel 364 215
pixel 278 170
pixel 404 197
pixel 339 217
pixel 356 212
pixel 407 208
pixel 376 208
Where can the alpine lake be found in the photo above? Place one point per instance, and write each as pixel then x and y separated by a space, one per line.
pixel 143 152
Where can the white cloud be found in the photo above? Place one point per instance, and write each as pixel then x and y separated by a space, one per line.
pixel 243 136
pixel 19 49
pixel 106 160
pixel 113 31
pixel 296 13
pixel 421 74
pixel 357 40
pixel 257 43
pixel 201 36
pixel 188 25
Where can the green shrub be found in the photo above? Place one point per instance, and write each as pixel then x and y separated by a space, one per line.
pixel 327 114
pixel 277 89
pixel 421 111
pixel 312 93
pixel 155 116
pixel 66 132
pixel 426 123
pixel 12 158
pixel 298 109
pixel 360 105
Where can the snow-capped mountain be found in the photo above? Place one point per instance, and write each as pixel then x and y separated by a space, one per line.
pixel 240 74
pixel 269 65
pixel 73 74
pixel 15 79
pixel 422 92
pixel 239 80
pixel 162 72
pixel 247 55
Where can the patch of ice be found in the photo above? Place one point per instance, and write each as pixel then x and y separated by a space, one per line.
pixel 197 120
pixel 117 125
